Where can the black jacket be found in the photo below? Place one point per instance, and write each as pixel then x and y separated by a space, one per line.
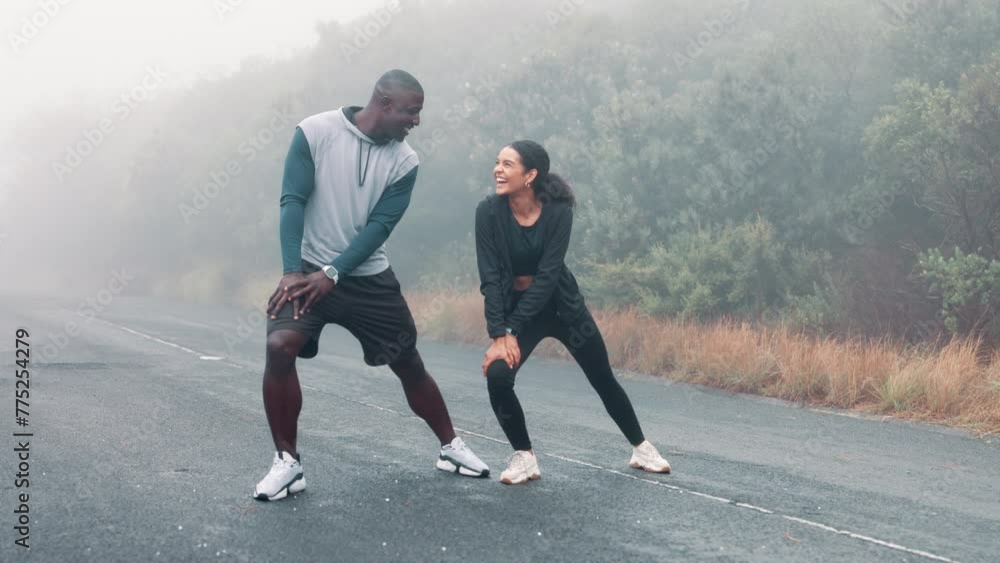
pixel 553 280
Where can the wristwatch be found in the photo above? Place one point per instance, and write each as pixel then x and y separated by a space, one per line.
pixel 512 332
pixel 331 273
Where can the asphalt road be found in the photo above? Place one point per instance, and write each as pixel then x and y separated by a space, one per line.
pixel 149 434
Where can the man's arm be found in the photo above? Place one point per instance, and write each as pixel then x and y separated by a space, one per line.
pixel 383 219
pixel 297 186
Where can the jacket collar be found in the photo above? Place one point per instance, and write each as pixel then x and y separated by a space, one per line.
pixel 500 209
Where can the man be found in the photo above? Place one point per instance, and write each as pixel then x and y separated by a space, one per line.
pixel 348 178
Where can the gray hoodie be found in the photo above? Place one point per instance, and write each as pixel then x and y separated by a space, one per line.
pixel 352 172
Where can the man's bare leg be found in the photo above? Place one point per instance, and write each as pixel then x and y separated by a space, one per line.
pixel 423 395
pixel 282 393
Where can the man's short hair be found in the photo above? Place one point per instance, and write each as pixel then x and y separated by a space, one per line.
pixel 397 81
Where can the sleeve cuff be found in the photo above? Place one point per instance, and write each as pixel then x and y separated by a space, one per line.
pixel 342 270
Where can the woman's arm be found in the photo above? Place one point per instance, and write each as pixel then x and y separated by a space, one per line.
pixel 549 269
pixel 488 258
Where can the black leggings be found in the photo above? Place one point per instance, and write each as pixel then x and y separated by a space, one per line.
pixel 584 342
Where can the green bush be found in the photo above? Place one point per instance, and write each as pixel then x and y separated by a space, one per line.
pixel 969 286
pixel 738 271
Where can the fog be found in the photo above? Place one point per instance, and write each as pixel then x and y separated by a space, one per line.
pixel 89 50
pixel 826 163
pixel 74 58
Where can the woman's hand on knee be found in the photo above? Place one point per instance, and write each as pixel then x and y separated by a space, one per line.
pixel 496 351
pixel 513 351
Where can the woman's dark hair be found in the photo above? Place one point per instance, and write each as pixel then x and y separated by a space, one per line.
pixel 547 186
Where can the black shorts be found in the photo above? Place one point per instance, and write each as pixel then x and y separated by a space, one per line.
pixel 372 308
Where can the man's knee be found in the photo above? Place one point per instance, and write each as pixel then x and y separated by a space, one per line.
pixel 408 365
pixel 283 346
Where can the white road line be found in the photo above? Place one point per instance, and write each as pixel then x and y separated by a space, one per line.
pixel 868 539
pixel 752 507
pixel 483 436
pixel 171 344
pixel 718 499
pixel 803 521
pixel 348 399
pixel 153 338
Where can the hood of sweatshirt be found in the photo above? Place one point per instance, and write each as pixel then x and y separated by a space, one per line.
pixel 364 142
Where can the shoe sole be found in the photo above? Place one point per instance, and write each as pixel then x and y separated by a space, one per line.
pixel 532 477
pixel 637 465
pixel 452 467
pixel 297 485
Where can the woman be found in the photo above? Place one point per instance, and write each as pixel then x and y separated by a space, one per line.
pixel 522 233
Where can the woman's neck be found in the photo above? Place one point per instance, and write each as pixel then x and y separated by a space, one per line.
pixel 524 203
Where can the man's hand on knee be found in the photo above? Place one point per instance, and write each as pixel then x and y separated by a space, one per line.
pixel 280 295
pixel 310 289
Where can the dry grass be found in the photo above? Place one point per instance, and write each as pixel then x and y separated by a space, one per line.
pixel 956 383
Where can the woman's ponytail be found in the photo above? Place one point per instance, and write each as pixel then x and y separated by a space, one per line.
pixel 554 188
pixel 547 186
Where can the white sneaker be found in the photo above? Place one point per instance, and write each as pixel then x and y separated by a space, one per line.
pixel 523 467
pixel 456 457
pixel 285 477
pixel 645 457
